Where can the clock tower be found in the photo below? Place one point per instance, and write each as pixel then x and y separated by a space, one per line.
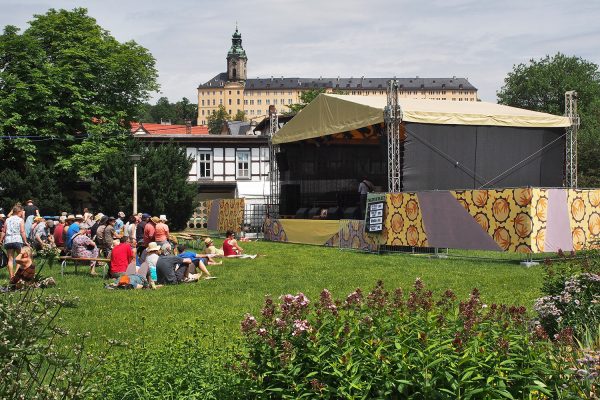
pixel 236 59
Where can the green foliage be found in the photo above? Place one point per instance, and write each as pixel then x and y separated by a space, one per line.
pixel 162 182
pixel 188 364
pixel 65 77
pixel 239 116
pixel 541 84
pixel 387 345
pixel 216 119
pixel 178 113
pixel 35 364
pixel 305 98
pixel 571 300
pixel 34 182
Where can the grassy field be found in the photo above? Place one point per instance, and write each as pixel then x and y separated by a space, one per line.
pixel 219 305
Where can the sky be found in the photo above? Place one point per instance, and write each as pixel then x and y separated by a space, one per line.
pixel 480 40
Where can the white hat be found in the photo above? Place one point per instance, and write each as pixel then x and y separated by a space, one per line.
pixel 121 214
pixel 163 217
pixel 153 246
pixel 78 216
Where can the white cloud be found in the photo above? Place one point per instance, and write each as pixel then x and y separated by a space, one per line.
pixel 477 39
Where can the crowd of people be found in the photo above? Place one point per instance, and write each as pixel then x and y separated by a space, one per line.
pixel 140 249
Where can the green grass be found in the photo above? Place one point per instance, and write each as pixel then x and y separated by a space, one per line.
pixel 220 304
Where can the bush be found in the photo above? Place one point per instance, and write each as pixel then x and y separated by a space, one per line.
pixel 571 298
pixel 386 345
pixel 181 367
pixel 33 363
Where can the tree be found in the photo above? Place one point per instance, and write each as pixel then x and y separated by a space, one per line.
pixel 239 116
pixel 37 183
pixel 541 86
pixel 216 119
pixel 62 78
pixel 162 183
pixel 305 98
pixel 177 113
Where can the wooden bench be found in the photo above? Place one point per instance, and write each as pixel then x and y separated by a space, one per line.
pixel 77 260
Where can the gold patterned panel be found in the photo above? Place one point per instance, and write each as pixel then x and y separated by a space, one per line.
pixel 403 221
pixel 231 214
pixel 505 214
pixel 584 215
pixel 539 212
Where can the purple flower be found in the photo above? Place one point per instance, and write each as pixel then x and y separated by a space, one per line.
pixel 248 323
pixel 301 326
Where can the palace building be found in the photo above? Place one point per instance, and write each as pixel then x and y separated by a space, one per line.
pixel 234 91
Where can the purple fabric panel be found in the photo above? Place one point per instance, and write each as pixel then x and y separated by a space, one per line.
pixel 213 218
pixel 448 224
pixel 558 225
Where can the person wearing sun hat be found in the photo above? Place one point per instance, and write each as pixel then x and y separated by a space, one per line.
pixel 211 249
pixel 73 229
pixel 150 230
pixel 119 223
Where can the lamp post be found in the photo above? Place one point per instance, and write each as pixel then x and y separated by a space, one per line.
pixel 135 158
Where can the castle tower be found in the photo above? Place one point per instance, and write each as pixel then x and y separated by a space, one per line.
pixel 236 59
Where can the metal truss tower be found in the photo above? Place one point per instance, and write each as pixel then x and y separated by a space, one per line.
pixel 393 122
pixel 273 169
pixel 571 145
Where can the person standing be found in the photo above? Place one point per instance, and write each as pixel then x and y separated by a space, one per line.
pixel 139 234
pixel 161 234
pixel 13 236
pixel 364 187
pixel 119 223
pixel 109 234
pixel 31 209
pixel 59 231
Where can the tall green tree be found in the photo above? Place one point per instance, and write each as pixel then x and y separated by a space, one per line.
pixel 540 85
pixel 216 119
pixel 162 183
pixel 239 116
pixel 64 78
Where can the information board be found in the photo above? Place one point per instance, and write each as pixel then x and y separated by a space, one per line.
pixel 375 213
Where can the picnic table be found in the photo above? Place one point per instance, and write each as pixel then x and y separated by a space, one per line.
pixel 77 260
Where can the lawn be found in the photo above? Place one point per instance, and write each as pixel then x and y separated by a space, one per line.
pixel 219 305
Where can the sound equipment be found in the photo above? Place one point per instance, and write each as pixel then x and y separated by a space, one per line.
pixel 301 213
pixel 282 161
pixel 313 212
pixel 333 213
pixel 351 213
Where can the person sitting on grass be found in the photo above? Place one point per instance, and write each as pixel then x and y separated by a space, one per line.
pixel 120 258
pixel 232 249
pixel 172 269
pixel 211 249
pixel 84 247
pixel 25 273
pixel 197 259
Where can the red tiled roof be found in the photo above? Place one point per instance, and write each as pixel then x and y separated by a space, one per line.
pixel 159 129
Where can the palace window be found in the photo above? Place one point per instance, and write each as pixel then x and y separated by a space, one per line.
pixel 259 102
pixel 204 162
pixel 238 102
pixel 242 170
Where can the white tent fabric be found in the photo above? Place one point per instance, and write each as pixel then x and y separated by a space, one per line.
pixel 329 114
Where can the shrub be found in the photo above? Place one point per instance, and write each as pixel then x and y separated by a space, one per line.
pixel 571 296
pixel 33 362
pixel 383 345
pixel 183 366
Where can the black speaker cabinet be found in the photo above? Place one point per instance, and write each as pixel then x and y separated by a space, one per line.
pixel 351 213
pixel 301 213
pixel 333 213
pixel 313 212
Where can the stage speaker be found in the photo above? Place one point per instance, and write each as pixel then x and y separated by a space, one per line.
pixel 301 213
pixel 313 212
pixel 282 161
pixel 351 213
pixel 333 213
pixel 289 199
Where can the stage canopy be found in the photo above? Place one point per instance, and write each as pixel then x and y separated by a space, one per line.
pixel 329 114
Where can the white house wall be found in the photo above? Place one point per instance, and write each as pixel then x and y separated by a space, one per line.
pixel 224 164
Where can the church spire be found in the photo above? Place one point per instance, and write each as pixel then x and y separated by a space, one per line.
pixel 236 58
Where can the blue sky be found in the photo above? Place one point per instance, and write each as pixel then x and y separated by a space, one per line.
pixel 477 39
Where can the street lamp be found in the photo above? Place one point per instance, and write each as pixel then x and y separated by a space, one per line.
pixel 135 158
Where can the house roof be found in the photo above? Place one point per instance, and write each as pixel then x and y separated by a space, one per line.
pixel 146 128
pixel 338 83
pixel 238 127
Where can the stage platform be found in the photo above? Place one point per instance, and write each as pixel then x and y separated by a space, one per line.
pixel 521 220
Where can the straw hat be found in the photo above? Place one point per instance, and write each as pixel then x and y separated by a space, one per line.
pixel 156 220
pixel 208 241
pixel 152 246
pixel 70 217
pixel 98 217
pixel 38 219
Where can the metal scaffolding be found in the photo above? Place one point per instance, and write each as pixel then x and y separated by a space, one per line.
pixel 273 169
pixel 393 122
pixel 571 145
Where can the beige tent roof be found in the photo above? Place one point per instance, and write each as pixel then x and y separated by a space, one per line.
pixel 329 114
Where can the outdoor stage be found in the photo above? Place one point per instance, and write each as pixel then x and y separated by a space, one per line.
pixel 521 220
